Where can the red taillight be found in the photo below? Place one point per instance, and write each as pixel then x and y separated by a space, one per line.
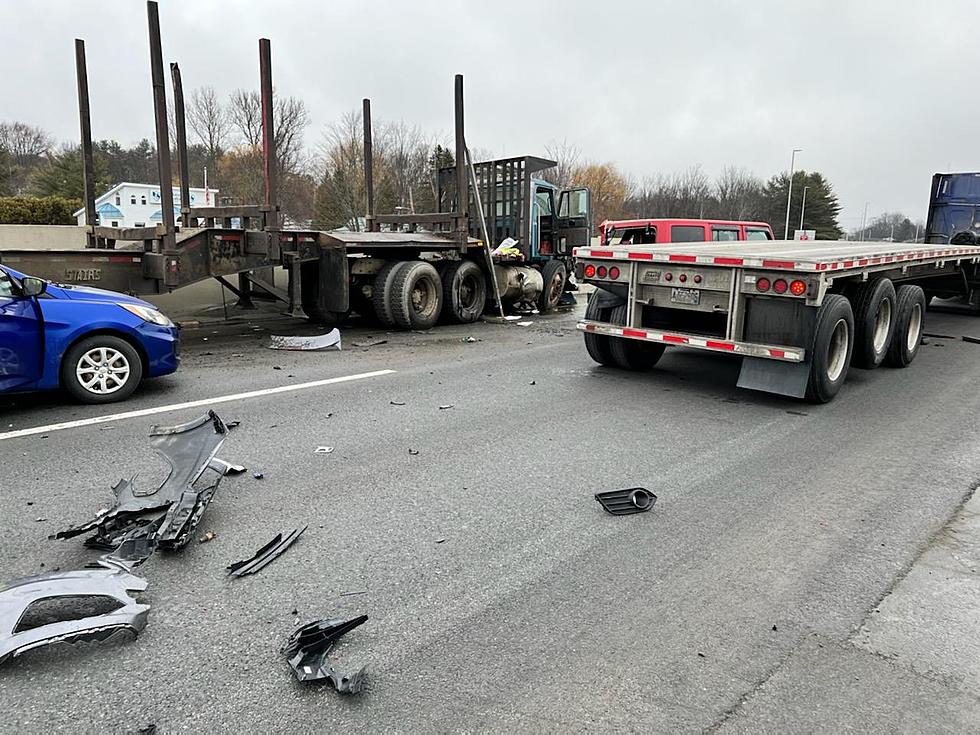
pixel 697 279
pixel 614 272
pixel 682 278
pixel 602 271
pixel 668 276
pixel 762 284
pixel 797 288
pixel 779 285
pixel 589 270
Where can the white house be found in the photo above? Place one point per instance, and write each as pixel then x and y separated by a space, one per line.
pixel 138 205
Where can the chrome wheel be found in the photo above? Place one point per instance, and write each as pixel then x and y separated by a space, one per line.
pixel 883 321
pixel 102 370
pixel 837 355
pixel 915 328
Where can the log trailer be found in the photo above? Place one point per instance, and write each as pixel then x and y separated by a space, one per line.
pixel 800 314
pixel 408 270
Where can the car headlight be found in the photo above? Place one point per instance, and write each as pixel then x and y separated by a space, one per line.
pixel 148 315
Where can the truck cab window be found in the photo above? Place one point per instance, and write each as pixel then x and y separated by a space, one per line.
pixel 687 233
pixel 546 205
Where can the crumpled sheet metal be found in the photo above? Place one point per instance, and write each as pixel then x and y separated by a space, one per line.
pixel 307 650
pixel 141 521
pixel 18 595
pixel 266 554
pixel 315 342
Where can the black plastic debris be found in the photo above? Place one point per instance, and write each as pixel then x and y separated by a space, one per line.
pixel 165 517
pixel 626 502
pixel 307 650
pixel 21 597
pixel 266 554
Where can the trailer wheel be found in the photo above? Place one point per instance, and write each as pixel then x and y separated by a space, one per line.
pixel 310 291
pixel 909 312
pixel 416 299
pixel 873 303
pixel 383 293
pixel 464 292
pixel 632 354
pixel 101 369
pixel 598 345
pixel 833 344
pixel 553 273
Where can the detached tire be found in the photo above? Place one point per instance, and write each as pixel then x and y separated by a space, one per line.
pixel 632 354
pixel 873 305
pixel 383 292
pixel 554 275
pixel 416 299
pixel 464 292
pixel 831 350
pixel 910 311
pixel 101 369
pixel 598 346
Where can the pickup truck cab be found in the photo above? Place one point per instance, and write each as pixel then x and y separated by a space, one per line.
pixel 98 345
pixel 659 231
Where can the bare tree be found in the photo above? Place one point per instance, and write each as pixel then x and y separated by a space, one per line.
pixel 739 194
pixel 208 121
pixel 340 197
pixel 567 156
pixel 25 149
pixel 245 112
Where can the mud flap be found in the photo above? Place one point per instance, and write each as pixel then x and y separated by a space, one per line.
pixel 334 279
pixel 772 376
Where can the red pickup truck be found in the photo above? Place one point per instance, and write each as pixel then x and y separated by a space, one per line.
pixel 658 231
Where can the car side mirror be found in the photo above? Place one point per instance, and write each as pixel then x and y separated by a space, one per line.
pixel 32 286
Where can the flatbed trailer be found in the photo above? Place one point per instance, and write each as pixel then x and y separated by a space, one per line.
pixel 799 314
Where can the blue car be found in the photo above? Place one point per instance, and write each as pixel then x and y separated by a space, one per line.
pixel 98 345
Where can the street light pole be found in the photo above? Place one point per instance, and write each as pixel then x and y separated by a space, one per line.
pixel 864 219
pixel 789 194
pixel 803 206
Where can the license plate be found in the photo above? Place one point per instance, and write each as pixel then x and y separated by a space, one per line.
pixel 690 296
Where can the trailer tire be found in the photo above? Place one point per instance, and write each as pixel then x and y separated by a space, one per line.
pixel 416 300
pixel 554 275
pixel 464 292
pixel 831 350
pixel 598 345
pixel 873 305
pixel 632 354
pixel 383 292
pixel 123 366
pixel 909 314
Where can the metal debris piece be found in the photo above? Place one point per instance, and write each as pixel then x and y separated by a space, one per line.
pixel 972 340
pixel 233 424
pixel 372 343
pixel 227 468
pixel 266 554
pixel 307 650
pixel 443 408
pixel 209 536
pixel 95 585
pixel 315 342
pixel 413 452
pixel 258 475
pixel 323 450
pixel 397 403
pixel 626 502
pixel 524 324
pixel 469 339
pixel 141 521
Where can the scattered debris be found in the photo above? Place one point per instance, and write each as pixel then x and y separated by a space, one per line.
pixel 446 406
pixel 971 340
pixel 775 628
pixel 209 536
pixel 258 475
pixel 413 452
pixel 266 554
pixel 797 413
pixel 307 650
pixel 533 382
pixel 316 342
pixel 277 367
pixel 524 324
pixel 89 588
pixel 397 403
pixel 358 592
pixel 938 336
pixel 226 468
pixel 469 339
pixel 372 343
pixel 323 450
pixel 512 318
pixel 166 517
pixel 440 540
pixel 626 502
pixel 40 519
pixel 232 425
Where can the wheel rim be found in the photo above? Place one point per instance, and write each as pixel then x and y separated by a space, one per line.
pixel 102 370
pixel 883 320
pixel 424 298
pixel 554 289
pixel 467 292
pixel 915 328
pixel 837 354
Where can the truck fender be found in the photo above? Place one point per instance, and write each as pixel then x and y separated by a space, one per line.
pixel 607 300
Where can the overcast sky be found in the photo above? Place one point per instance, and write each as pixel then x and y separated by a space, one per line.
pixel 879 95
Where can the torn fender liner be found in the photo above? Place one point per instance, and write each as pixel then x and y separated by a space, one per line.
pixel 628 501
pixel 307 650
pixel 141 521
pixel 266 554
pixel 18 596
pixel 316 342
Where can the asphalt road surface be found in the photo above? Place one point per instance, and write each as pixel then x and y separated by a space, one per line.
pixel 500 596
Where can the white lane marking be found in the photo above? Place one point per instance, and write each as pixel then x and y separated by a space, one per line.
pixel 189 404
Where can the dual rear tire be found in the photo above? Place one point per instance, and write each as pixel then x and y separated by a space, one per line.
pixel 412 294
pixel 622 352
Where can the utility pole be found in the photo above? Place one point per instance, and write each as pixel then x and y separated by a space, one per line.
pixel 803 206
pixel 864 219
pixel 789 194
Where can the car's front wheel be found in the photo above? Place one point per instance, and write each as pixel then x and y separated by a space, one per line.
pixel 101 369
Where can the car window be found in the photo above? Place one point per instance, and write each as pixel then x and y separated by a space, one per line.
pixel 6 285
pixel 687 233
pixel 724 234
pixel 755 234
pixel 632 236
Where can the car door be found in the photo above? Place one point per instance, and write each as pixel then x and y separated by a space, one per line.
pixel 20 337
pixel 574 220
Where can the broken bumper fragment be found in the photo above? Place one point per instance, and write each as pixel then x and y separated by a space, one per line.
pixel 307 650
pixel 266 554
